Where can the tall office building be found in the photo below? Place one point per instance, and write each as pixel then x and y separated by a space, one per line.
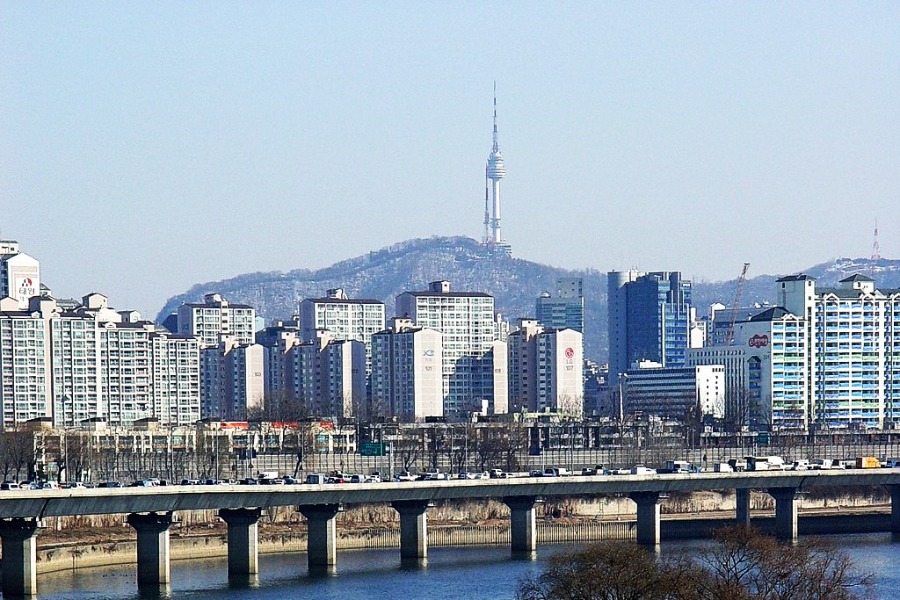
pixel 471 375
pixel 406 372
pixel 649 319
pixel 216 318
pixel 566 310
pixel 343 317
pixel 674 392
pixel 20 274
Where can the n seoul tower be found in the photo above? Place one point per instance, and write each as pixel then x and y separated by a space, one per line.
pixel 493 173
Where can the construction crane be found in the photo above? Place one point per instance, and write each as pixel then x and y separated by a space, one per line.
pixel 729 335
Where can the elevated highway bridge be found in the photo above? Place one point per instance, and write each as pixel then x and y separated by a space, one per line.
pixel 150 511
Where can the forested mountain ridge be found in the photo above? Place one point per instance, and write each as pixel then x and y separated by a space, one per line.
pixel 515 283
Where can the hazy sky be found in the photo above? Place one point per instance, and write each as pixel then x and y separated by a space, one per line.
pixel 145 147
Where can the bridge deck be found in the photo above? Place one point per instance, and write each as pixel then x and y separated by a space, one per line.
pixel 54 503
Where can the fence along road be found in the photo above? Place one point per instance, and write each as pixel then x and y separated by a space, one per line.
pixel 150 510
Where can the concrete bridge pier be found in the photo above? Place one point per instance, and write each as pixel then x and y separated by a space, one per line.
pixel 413 528
pixel 742 506
pixel 895 509
pixel 785 512
pixel 152 546
pixel 647 517
pixel 19 537
pixel 522 523
pixel 321 550
pixel 243 540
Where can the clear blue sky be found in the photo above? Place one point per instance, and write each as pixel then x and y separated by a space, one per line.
pixel 148 146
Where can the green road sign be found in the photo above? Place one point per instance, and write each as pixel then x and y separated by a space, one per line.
pixel 371 449
pixel 762 438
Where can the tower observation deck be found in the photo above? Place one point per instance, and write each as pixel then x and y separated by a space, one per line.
pixel 494 171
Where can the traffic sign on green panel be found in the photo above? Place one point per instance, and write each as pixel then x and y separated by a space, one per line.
pixel 371 448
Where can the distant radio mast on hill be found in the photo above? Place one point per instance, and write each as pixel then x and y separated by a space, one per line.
pixel 493 173
pixel 876 249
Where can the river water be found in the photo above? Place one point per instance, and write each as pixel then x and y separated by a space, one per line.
pixel 461 572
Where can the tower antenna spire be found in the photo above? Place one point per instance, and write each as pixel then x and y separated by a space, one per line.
pixel 494 172
pixel 496 138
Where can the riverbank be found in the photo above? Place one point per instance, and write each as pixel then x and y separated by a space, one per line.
pixel 191 542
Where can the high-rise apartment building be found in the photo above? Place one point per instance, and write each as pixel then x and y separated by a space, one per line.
pixel 91 362
pixel 216 318
pixel 20 274
pixel 649 319
pixel 232 380
pixel 327 376
pixel 471 375
pixel 546 369
pixel 566 309
pixel 343 317
pixel 825 358
pixel 26 369
pixel 407 380
pixel 276 340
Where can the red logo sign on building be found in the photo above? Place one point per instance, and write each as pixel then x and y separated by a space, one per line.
pixel 758 341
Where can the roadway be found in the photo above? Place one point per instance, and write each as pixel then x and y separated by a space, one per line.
pixel 38 504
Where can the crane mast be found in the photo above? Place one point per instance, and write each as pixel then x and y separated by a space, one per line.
pixel 729 336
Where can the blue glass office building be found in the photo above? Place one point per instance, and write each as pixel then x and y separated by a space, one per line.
pixel 650 317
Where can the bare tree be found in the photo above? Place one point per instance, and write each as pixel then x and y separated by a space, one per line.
pixel 408 449
pixel 743 565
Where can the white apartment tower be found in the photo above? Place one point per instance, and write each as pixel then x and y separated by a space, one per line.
pixel 522 357
pixel 560 368
pixel 406 372
pixel 25 364
pixel 327 376
pixel 546 369
pixel 471 376
pixel 90 362
pixel 343 317
pixel 232 381
pixel 216 318
pixel 20 274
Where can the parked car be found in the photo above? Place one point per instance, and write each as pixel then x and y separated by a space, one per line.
pixel 10 486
